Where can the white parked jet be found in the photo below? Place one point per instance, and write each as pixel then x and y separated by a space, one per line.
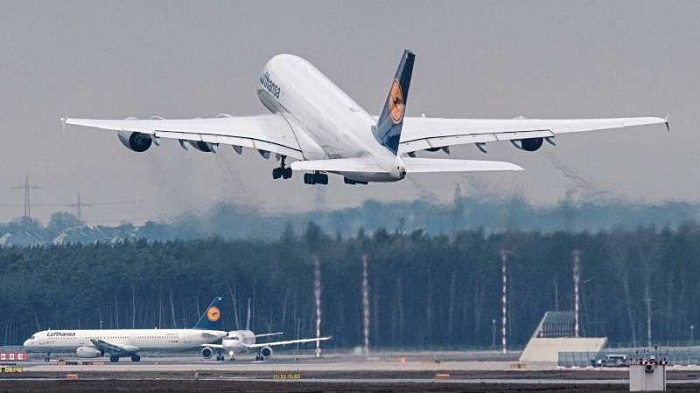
pixel 240 341
pixel 314 122
pixel 128 342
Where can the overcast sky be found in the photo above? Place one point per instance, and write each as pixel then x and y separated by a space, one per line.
pixel 548 59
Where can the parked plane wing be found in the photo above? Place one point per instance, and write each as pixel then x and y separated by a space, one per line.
pixel 287 342
pixel 115 349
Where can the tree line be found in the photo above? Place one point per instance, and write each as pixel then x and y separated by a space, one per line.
pixel 426 291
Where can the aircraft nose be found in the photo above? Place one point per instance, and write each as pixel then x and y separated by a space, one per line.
pixel 27 342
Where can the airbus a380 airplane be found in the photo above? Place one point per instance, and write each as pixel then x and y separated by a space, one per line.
pixel 128 342
pixel 314 122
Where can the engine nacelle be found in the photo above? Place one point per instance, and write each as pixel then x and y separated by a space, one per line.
pixel 88 352
pixel 204 146
pixel 207 352
pixel 135 141
pixel 530 144
pixel 266 352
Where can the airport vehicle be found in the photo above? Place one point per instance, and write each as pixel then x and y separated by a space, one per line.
pixel 239 341
pixel 611 360
pixel 119 343
pixel 316 123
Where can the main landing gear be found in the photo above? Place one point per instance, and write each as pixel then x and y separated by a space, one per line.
pixel 315 178
pixel 282 171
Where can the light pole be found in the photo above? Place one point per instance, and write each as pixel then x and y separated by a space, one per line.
pixel 493 333
pixel 504 301
pixel 692 328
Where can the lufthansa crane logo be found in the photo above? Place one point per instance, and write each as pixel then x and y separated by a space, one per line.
pixel 213 313
pixel 396 103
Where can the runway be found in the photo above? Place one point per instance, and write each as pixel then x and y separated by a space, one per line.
pixel 386 372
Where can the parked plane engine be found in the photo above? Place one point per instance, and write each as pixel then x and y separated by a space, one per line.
pixel 88 352
pixel 265 352
pixel 135 141
pixel 207 352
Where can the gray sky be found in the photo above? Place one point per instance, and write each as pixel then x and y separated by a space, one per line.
pixel 501 59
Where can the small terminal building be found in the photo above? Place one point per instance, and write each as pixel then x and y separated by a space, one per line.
pixel 554 341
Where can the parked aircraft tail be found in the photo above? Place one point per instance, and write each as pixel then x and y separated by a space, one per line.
pixel 211 319
pixel 388 129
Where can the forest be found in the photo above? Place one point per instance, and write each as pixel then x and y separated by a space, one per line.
pixel 426 291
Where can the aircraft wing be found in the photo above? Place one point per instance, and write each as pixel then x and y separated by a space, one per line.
pixel 115 349
pixel 421 133
pixel 269 132
pixel 287 342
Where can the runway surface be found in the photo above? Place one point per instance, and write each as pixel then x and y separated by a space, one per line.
pixel 386 372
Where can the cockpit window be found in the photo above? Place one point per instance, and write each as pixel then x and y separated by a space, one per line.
pixel 32 337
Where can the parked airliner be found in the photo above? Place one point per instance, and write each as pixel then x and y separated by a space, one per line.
pixel 241 341
pixel 128 342
pixel 317 124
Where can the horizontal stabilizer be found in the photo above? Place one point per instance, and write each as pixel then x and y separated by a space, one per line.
pixel 338 165
pixel 268 334
pixel 428 165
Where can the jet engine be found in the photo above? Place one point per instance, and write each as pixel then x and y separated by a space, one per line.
pixel 265 352
pixel 207 352
pixel 204 146
pixel 530 144
pixel 135 141
pixel 88 352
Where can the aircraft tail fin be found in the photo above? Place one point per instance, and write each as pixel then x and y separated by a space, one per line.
pixel 388 128
pixel 211 319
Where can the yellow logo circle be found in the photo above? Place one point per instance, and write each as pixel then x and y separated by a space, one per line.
pixel 213 313
pixel 396 103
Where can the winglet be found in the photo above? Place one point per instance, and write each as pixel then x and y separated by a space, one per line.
pixel 390 123
pixel 64 119
pixel 666 122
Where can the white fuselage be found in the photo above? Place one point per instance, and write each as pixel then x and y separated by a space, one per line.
pixel 328 123
pixel 133 339
pixel 237 340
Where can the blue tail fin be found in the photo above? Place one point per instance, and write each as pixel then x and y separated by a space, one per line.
pixel 388 129
pixel 211 319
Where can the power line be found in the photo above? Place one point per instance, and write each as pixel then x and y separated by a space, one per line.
pixel 27 203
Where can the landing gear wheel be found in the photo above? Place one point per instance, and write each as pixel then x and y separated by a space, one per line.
pixel 316 178
pixel 135 358
pixel 114 359
pixel 282 171
pixel 277 173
